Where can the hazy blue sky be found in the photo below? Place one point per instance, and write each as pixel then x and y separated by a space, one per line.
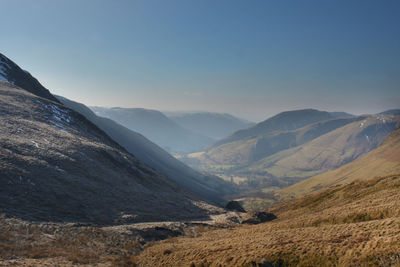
pixel 250 58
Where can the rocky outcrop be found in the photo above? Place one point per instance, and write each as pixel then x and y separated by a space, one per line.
pixel 234 206
pixel 259 217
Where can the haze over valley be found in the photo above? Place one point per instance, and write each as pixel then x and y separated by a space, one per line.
pixel 152 133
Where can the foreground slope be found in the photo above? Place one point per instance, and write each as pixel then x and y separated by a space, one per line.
pixel 350 225
pixel 383 160
pixel 209 187
pixel 55 165
pixel 214 125
pixel 157 127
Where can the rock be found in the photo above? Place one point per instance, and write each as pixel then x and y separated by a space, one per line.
pixel 260 217
pixel 234 205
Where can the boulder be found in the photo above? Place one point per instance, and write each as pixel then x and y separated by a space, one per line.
pixel 260 217
pixel 234 206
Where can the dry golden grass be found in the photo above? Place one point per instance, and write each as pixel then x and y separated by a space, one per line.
pixel 34 244
pixel 384 160
pixel 351 225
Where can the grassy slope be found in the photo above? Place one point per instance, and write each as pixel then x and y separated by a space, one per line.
pixel 284 121
pixel 328 151
pixel 249 150
pixel 383 160
pixel 354 224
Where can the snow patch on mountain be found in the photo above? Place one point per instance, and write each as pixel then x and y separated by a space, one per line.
pixel 3 66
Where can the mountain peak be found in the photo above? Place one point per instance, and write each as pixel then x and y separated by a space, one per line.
pixel 13 74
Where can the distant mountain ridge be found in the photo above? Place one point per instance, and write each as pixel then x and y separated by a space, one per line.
pixel 284 121
pixel 214 125
pixel 157 127
pixel 294 145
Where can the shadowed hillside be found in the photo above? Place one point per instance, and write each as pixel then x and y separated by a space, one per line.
pixel 57 166
pixel 207 186
pixel 157 127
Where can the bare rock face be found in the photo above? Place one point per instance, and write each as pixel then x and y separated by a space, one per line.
pixel 234 206
pixel 260 217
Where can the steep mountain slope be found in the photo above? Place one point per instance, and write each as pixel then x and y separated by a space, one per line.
pixel 209 187
pixel 12 73
pixel 351 225
pixel 57 166
pixel 383 160
pixel 285 121
pixel 328 151
pixel 157 127
pixel 214 125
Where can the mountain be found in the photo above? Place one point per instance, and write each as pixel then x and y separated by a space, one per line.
pixel 213 125
pixel 285 121
pixel 327 151
pixel 12 73
pixel 252 149
pixel 207 186
pixel 391 112
pixel 56 165
pixel 340 114
pixel 157 127
pixel 382 161
pixel 283 157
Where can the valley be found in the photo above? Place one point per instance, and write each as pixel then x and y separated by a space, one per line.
pixel 199 133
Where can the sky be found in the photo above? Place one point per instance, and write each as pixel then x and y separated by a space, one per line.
pixel 252 59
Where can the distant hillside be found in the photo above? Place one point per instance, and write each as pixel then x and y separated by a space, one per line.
pixel 285 121
pixel 251 149
pixel 340 114
pixel 157 127
pixel 207 186
pixel 55 165
pixel 282 157
pixel 328 151
pixel 383 160
pixel 391 112
pixel 214 125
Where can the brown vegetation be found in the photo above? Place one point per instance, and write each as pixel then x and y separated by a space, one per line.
pixel 383 160
pixel 349 225
pixel 68 244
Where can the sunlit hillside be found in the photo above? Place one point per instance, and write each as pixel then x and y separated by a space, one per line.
pixel 384 160
pixel 350 225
